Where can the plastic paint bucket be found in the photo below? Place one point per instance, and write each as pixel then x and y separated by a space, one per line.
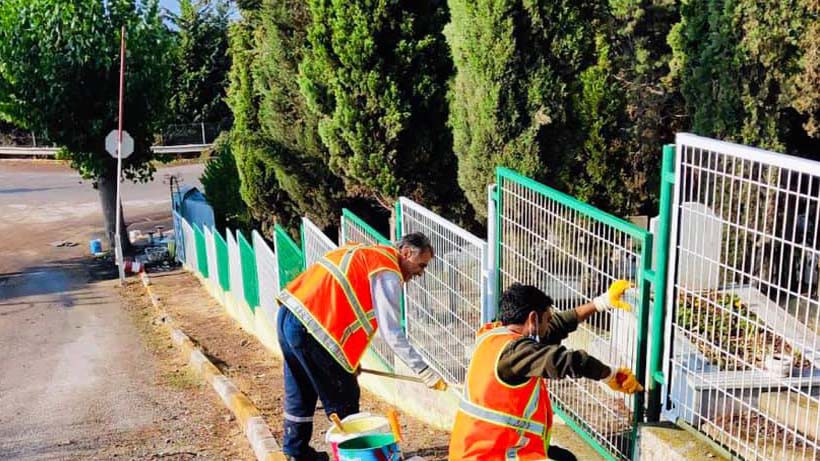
pixel 355 425
pixel 372 447
pixel 95 246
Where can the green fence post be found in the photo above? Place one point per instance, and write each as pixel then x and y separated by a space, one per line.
pixel 398 236
pixel 201 251
pixel 499 206
pixel 222 261
pixel 645 280
pixel 289 256
pixel 661 271
pixel 250 281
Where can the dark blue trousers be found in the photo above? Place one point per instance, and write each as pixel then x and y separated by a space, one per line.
pixel 310 373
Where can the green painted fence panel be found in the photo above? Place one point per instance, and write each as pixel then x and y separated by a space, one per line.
pixel 250 281
pixel 289 256
pixel 201 251
pixel 222 262
pixel 573 252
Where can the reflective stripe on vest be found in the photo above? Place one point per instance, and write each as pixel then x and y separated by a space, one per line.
pixel 501 419
pixel 312 325
pixel 341 279
pixel 532 406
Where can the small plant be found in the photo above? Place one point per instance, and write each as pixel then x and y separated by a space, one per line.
pixel 728 334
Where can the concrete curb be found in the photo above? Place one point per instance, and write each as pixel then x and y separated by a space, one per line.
pixel 247 415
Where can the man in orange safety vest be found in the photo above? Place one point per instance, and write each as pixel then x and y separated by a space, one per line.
pixel 505 411
pixel 328 316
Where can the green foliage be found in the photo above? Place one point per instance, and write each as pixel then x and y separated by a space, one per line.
pixel 297 155
pixel 601 161
pixel 260 189
pixel 222 187
pixel 511 100
pixel 201 61
pixel 748 72
pixel 376 73
pixel 59 72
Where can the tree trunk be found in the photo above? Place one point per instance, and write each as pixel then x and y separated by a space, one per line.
pixel 107 188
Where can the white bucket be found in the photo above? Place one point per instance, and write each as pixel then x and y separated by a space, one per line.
pixel 355 425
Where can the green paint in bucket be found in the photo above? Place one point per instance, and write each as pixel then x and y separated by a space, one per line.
pixel 372 447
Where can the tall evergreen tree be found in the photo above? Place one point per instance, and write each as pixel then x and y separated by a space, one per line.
pixel 376 73
pixel 517 67
pixel 748 74
pixel 298 157
pixel 260 189
pixel 201 62
pixel 628 109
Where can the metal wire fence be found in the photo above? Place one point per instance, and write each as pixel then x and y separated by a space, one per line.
pixel 355 230
pixel 443 308
pixel 573 251
pixel 743 299
pixel 314 242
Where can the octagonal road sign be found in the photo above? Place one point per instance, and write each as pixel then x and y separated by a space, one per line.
pixel 127 144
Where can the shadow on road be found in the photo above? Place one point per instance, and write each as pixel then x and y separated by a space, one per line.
pixel 63 278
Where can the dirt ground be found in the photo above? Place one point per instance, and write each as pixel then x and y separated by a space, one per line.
pixel 194 424
pixel 257 372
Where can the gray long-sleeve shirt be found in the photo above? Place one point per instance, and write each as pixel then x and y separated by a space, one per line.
pixel 385 290
pixel 525 358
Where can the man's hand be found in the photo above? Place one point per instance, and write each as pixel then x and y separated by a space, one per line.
pixel 432 379
pixel 624 381
pixel 612 297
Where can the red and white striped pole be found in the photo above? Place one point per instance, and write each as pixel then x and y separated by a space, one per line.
pixel 119 157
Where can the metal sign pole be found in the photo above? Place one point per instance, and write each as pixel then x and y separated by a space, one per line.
pixel 118 244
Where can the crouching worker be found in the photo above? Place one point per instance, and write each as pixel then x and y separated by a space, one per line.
pixel 505 412
pixel 328 315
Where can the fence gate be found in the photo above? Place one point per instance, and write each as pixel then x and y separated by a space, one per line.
pixel 355 230
pixel 314 242
pixel 573 251
pixel 742 299
pixel 443 308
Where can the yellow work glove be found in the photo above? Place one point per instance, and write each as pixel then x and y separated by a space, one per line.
pixel 612 297
pixel 432 379
pixel 624 381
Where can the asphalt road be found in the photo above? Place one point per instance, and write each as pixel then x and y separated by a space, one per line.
pixel 74 377
pixel 38 192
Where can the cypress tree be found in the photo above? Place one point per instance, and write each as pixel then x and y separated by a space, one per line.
pixel 517 67
pixel 375 73
pixel 298 157
pixel 260 189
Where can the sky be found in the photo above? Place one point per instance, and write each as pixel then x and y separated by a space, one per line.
pixel 173 7
pixel 170 5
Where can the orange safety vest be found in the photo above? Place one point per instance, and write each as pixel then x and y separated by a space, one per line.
pixel 332 299
pixel 496 421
